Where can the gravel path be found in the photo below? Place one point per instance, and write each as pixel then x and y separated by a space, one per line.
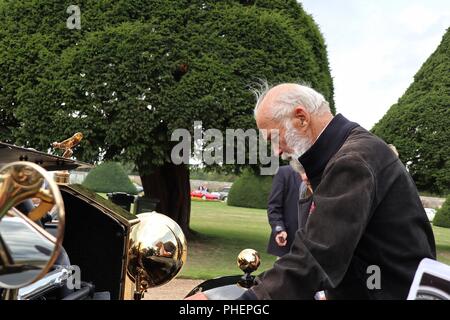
pixel 174 290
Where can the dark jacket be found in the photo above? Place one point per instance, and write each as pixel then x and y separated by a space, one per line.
pixel 282 208
pixel 367 212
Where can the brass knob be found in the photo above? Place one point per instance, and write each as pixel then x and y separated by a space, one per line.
pixel 248 260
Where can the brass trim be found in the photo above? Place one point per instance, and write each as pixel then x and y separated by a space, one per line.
pixel 8 205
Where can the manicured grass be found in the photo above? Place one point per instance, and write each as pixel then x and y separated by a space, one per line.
pixel 225 231
pixel 442 236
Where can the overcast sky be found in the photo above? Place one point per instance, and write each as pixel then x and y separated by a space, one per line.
pixel 375 48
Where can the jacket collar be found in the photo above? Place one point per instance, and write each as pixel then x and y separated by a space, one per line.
pixel 329 142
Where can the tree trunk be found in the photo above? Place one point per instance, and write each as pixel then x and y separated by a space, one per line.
pixel 170 184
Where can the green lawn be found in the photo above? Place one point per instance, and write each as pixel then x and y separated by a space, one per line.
pixel 225 231
pixel 442 236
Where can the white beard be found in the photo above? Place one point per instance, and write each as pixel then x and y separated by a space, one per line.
pixel 297 166
pixel 299 145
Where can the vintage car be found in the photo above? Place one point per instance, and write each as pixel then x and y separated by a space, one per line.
pixel 62 241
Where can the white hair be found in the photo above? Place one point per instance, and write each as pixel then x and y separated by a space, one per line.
pixel 301 94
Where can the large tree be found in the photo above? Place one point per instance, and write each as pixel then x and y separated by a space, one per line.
pixel 419 123
pixel 137 70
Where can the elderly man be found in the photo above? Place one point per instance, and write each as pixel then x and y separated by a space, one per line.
pixel 366 216
pixel 367 230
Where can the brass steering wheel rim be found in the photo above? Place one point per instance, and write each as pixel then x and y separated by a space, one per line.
pixel 16 193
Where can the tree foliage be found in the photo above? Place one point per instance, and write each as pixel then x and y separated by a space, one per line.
pixel 419 124
pixel 137 70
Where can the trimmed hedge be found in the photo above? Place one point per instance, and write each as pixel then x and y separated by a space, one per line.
pixel 250 191
pixel 109 177
pixel 442 217
pixel 418 124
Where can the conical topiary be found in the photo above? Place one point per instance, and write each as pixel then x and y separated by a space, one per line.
pixel 109 177
pixel 419 124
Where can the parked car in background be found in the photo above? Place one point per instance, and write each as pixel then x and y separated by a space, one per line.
pixel 223 194
pixel 204 195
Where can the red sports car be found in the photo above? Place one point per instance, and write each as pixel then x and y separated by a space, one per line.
pixel 204 195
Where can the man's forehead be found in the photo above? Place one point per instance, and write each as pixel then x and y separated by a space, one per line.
pixel 264 122
pixel 268 101
pixel 267 125
pixel 264 116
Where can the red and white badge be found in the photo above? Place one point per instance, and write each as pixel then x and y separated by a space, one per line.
pixel 312 208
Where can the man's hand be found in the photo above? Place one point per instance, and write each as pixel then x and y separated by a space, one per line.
pixel 197 296
pixel 281 238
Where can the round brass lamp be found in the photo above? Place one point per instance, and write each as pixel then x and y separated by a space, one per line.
pixel 157 251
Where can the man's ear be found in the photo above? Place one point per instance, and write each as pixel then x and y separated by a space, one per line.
pixel 302 117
